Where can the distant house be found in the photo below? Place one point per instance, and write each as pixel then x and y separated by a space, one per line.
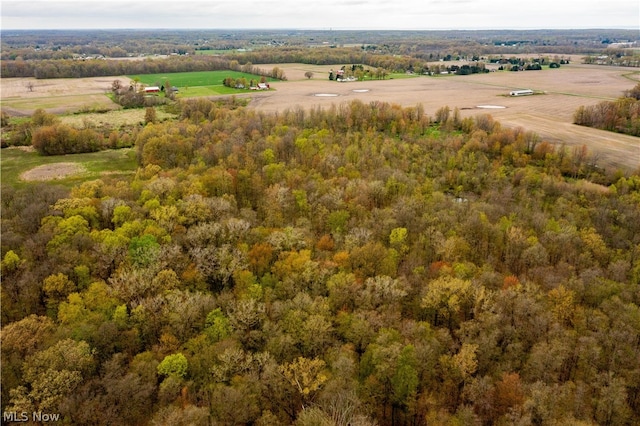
pixel 263 86
pixel 524 92
pixel 152 89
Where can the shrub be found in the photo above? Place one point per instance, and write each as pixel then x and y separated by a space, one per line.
pixel 59 139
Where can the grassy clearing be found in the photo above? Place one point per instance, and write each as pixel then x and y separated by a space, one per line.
pixel 113 119
pixel 16 161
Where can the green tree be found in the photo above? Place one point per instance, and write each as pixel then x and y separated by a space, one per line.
pixel 405 380
pixel 143 250
pixel 10 262
pixel 174 365
pixel 217 326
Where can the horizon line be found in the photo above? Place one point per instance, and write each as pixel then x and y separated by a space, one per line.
pixel 320 29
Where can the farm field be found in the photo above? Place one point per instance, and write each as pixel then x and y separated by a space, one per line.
pixel 201 83
pixel 58 95
pixel 549 114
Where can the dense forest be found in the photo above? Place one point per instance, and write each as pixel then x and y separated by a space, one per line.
pixel 364 264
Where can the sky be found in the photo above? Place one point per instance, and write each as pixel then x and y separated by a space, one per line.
pixel 320 14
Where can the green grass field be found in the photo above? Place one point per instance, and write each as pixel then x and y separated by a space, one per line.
pixel 213 52
pixel 16 161
pixel 401 75
pixel 198 83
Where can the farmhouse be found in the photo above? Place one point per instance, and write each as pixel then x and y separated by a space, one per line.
pixel 261 86
pixel 152 89
pixel 524 92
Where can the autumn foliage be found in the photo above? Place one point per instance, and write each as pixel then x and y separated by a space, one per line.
pixel 360 264
pixel 622 115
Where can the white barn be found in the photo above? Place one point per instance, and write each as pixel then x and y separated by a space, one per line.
pixel 521 92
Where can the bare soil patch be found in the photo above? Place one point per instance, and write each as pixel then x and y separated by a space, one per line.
pixel 52 171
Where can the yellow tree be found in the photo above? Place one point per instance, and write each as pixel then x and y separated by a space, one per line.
pixel 306 375
pixel 448 299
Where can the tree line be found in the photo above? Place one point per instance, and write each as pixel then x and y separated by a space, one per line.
pixel 107 42
pixel 615 57
pixel 97 67
pixel 69 68
pixel 49 136
pixel 241 61
pixel 360 264
pixel 621 115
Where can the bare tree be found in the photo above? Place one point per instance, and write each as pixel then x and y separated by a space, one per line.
pixel 308 74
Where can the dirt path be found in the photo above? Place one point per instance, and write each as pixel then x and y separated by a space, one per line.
pixel 52 171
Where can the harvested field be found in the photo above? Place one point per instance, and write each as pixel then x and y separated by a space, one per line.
pixel 22 96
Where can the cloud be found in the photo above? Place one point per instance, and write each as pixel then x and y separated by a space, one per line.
pixel 354 14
